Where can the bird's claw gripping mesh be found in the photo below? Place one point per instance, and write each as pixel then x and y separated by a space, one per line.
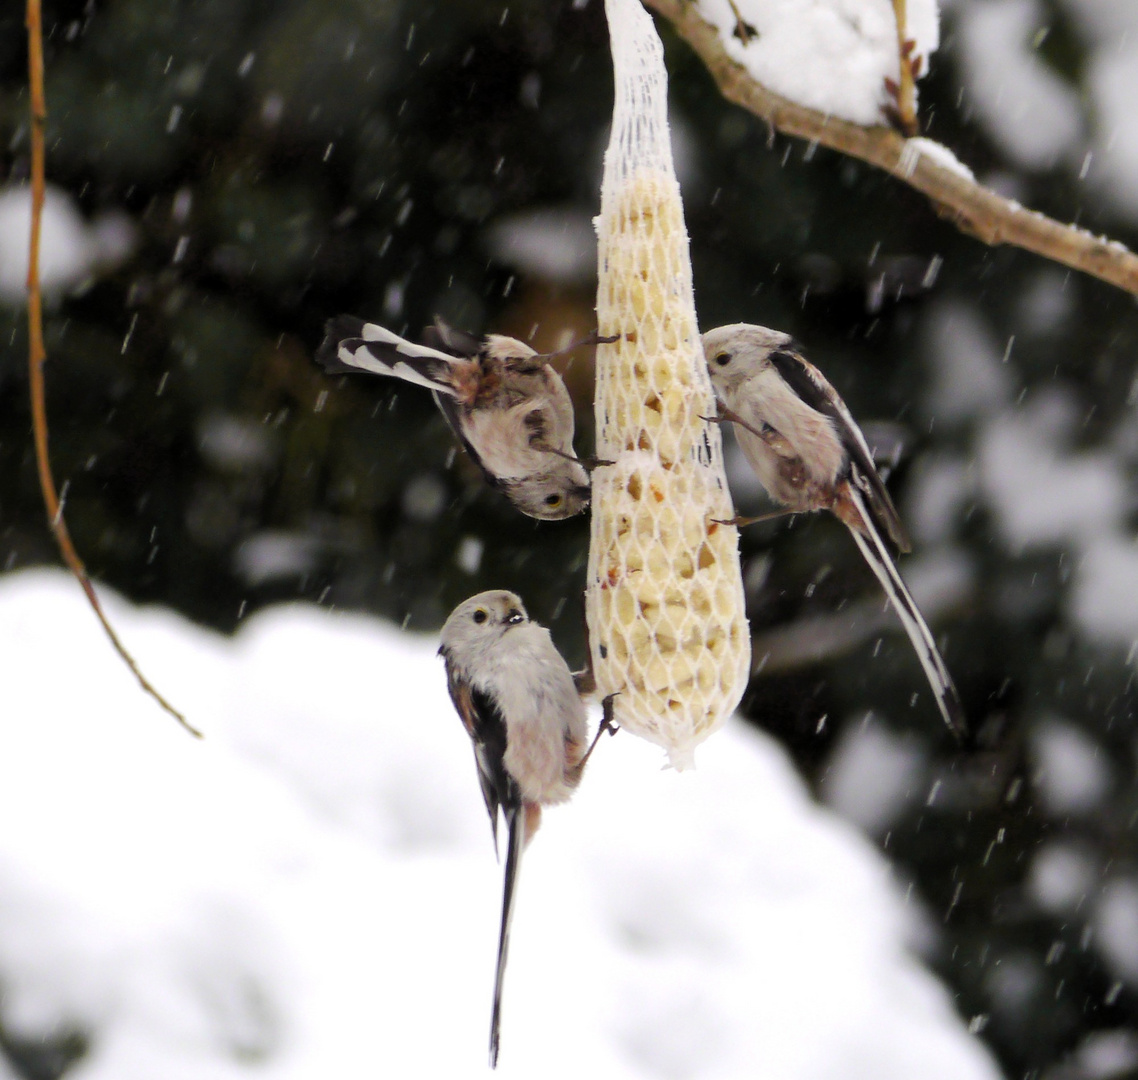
pixel 664 600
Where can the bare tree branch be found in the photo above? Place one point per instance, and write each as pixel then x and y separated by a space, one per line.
pixel 37 355
pixel 973 208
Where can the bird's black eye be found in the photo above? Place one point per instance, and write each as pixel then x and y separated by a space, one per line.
pixel 723 358
pixel 480 616
pixel 553 500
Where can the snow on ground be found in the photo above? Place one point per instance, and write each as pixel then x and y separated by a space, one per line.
pixel 311 891
pixel 831 55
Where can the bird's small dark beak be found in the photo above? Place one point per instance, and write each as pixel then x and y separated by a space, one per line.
pixel 513 617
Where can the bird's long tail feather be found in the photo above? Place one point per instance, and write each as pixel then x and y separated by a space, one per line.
pixel 881 562
pixel 516 821
pixel 351 345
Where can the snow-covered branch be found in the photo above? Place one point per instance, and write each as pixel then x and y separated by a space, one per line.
pixel 922 164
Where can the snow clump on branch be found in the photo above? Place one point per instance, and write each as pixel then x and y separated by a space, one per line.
pixel 829 55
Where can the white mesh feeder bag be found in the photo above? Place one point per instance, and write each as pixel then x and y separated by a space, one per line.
pixel 664 599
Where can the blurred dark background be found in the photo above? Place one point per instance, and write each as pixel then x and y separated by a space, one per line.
pixel 281 162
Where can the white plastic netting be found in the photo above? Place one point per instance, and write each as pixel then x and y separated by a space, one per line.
pixel 664 599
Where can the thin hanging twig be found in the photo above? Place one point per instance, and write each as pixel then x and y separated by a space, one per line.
pixel 973 208
pixel 37 356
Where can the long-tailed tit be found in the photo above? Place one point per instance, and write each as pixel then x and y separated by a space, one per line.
pixel 508 407
pixel 809 454
pixel 521 709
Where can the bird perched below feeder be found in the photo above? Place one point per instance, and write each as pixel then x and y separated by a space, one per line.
pixel 519 704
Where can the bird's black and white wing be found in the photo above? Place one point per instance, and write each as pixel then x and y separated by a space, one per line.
pixel 486 727
pixel 445 339
pixel 815 390
pixel 352 345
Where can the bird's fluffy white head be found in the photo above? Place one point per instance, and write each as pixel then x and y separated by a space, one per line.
pixel 479 622
pixel 739 350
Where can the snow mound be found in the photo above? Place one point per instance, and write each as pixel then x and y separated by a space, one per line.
pixel 311 890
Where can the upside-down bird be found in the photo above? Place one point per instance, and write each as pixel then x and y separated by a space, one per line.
pixel 508 407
